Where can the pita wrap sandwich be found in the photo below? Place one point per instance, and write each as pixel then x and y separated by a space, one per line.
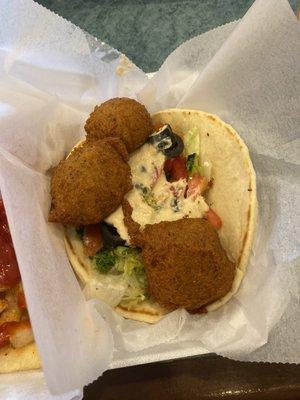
pixel 194 167
pixel 181 238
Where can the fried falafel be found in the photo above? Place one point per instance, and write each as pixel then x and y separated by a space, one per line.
pixel 90 184
pixel 185 263
pixel 123 118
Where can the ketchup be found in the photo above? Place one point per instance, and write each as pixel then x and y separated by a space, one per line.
pixel 9 270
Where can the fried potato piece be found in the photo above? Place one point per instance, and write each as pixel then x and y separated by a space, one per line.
pixel 11 312
pixel 120 117
pixel 90 183
pixel 3 305
pixel 185 263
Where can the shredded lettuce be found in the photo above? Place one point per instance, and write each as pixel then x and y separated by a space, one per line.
pixel 192 152
pixel 193 165
pixel 127 263
pixel 192 142
pixel 129 260
pixel 136 290
pixel 196 162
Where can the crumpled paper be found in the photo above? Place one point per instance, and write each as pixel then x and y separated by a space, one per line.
pixel 248 73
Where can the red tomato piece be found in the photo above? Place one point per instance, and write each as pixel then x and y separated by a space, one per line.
pixel 16 333
pixel 176 168
pixel 21 300
pixel 213 218
pixel 9 270
pixel 197 184
pixel 92 239
pixel 168 165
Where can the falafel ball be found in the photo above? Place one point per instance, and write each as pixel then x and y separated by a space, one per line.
pixel 120 117
pixel 90 184
pixel 185 263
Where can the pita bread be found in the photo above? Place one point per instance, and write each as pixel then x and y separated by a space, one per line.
pixel 21 359
pixel 233 196
pixel 146 311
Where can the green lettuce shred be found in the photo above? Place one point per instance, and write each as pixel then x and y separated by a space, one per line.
pixel 192 142
pixel 125 261
pixel 193 165
pixel 192 152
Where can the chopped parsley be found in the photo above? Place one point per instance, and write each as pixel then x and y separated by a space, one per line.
pixel 175 204
pixel 148 196
pixel 105 260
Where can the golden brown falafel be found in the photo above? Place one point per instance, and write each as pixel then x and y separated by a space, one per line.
pixel 120 117
pixel 90 183
pixel 133 227
pixel 185 263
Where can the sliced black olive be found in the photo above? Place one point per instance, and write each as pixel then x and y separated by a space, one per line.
pixel 162 136
pixel 177 147
pixel 167 141
pixel 110 235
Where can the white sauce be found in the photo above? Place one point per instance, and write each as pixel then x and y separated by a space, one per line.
pixel 116 219
pixel 153 199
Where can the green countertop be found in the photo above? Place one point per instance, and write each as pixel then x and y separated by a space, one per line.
pixel 147 31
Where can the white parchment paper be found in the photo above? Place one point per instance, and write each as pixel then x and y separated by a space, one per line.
pixel 248 73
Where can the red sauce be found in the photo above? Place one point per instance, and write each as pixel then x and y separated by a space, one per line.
pixel 12 329
pixel 9 270
pixel 4 333
pixel 21 301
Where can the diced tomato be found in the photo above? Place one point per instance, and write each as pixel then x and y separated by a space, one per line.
pixel 213 218
pixel 16 333
pixel 197 184
pixel 176 168
pixel 92 240
pixel 168 165
pixel 21 300
pixel 9 270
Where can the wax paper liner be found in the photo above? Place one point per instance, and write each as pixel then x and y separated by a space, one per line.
pixel 247 73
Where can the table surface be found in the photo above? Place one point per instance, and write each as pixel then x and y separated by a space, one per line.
pixel 200 379
pixel 147 31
